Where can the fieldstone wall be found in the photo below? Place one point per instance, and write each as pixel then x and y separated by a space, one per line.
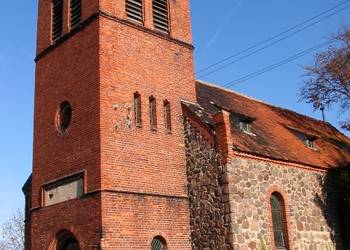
pixel 311 228
pixel 209 230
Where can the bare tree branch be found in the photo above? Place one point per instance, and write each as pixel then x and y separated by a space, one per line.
pixel 327 82
pixel 12 233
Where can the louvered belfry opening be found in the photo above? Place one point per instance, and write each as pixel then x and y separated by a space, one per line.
pixel 57 19
pixel 160 15
pixel 134 10
pixel 75 13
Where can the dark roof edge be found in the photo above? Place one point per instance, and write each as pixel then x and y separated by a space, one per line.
pixel 27 185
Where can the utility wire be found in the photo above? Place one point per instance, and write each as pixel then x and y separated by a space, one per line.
pixel 275 65
pixel 274 37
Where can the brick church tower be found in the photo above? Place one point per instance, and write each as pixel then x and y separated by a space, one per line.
pixel 109 166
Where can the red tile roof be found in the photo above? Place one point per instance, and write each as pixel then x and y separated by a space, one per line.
pixel 277 130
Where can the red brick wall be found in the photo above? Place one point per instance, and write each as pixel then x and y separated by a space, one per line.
pixel 140 172
pixel 89 7
pixel 69 72
pixel 132 221
pixel 179 15
pixel 81 217
pixel 139 160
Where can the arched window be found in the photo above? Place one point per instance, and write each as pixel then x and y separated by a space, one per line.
pixel 279 221
pixel 75 13
pixel 167 116
pixel 160 15
pixel 66 241
pixel 57 19
pixel 158 243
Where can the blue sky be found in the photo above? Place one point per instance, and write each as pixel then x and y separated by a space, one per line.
pixel 220 28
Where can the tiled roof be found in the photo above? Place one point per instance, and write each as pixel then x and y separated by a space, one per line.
pixel 277 130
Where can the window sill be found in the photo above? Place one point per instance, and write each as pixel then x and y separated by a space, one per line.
pixel 249 133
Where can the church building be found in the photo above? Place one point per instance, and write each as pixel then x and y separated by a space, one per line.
pixel 132 152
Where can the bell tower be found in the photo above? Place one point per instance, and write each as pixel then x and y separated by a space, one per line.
pixel 109 161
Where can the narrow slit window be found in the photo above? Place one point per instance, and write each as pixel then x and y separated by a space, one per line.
pixel 161 15
pixel 279 224
pixel 137 109
pixel 57 19
pixel 75 13
pixel 153 112
pixel 134 10
pixel 167 116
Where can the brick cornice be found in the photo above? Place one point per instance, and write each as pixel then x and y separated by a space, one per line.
pixel 103 14
pixel 100 191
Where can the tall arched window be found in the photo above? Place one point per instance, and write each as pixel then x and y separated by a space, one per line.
pixel 137 109
pixel 75 13
pixel 167 116
pixel 158 243
pixel 279 222
pixel 153 113
pixel 66 241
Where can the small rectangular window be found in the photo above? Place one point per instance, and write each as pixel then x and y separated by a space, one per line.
pixel 245 127
pixel 57 19
pixel 137 110
pixel 75 13
pixel 167 116
pixel 134 10
pixel 153 112
pixel 310 143
pixel 160 15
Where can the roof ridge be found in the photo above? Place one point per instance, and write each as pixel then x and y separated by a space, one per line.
pixel 263 102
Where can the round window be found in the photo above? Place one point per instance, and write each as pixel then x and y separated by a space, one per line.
pixel 63 117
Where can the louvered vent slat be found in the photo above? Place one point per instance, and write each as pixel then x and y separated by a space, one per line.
pixel 134 10
pixel 160 15
pixel 75 13
pixel 57 19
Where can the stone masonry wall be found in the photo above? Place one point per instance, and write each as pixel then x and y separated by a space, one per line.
pixel 251 182
pixel 207 207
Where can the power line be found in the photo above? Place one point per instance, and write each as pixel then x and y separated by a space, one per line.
pixel 271 44
pixel 275 65
pixel 274 37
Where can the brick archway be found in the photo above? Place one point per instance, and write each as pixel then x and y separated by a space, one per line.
pixel 65 240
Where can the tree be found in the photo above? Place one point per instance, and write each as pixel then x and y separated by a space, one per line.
pixel 327 82
pixel 334 202
pixel 12 233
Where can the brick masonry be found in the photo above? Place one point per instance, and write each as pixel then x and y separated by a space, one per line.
pixel 135 188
